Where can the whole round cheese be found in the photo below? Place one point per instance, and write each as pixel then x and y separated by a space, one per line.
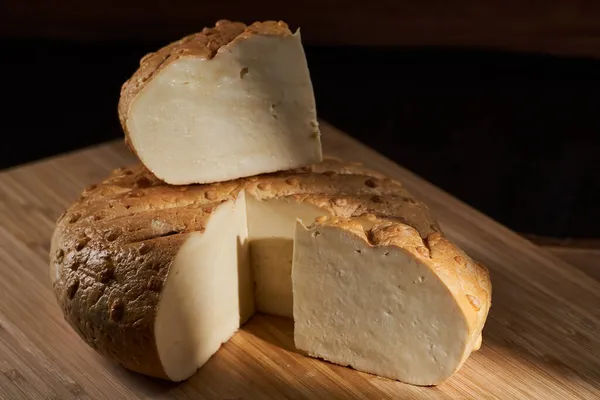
pixel 156 277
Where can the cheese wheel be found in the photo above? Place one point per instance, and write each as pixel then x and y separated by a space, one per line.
pixel 157 277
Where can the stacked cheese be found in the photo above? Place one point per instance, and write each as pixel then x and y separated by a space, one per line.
pixel 229 102
pixel 156 272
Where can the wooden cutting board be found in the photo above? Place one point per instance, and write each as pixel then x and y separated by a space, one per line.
pixel 542 338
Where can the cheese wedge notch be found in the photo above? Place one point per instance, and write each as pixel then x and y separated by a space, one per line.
pixel 373 295
pixel 229 102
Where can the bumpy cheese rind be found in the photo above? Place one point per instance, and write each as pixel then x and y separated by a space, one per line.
pixel 205 45
pixel 112 250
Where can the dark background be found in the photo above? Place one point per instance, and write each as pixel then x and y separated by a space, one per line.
pixel 511 128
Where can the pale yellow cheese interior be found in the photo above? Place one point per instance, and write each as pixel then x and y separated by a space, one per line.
pixel 208 293
pixel 235 115
pixel 376 309
pixel 271 230
pixel 242 261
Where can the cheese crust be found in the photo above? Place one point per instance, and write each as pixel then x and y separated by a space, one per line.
pixel 112 250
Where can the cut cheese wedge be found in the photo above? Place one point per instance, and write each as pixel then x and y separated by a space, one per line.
pixel 373 295
pixel 228 102
pixel 208 293
pixel 157 277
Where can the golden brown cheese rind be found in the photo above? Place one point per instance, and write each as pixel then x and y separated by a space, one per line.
pixel 112 250
pixel 468 281
pixel 205 44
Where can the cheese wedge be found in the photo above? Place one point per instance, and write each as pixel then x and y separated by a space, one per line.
pixel 228 102
pixel 374 295
pixel 157 277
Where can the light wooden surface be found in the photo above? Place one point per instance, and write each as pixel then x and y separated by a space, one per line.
pixel 541 341
pixel 580 253
pixel 587 260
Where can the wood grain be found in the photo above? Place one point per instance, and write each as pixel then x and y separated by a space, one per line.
pixel 559 27
pixel 586 259
pixel 541 340
pixel 578 243
pixel 583 254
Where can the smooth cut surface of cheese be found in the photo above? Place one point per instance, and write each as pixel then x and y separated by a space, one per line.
pixel 216 279
pixel 208 293
pixel 271 231
pixel 376 307
pixel 249 109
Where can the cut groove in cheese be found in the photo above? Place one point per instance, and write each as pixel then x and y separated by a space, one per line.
pixel 249 109
pixel 378 309
pixel 341 291
pixel 271 232
pixel 208 293
pixel 211 288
